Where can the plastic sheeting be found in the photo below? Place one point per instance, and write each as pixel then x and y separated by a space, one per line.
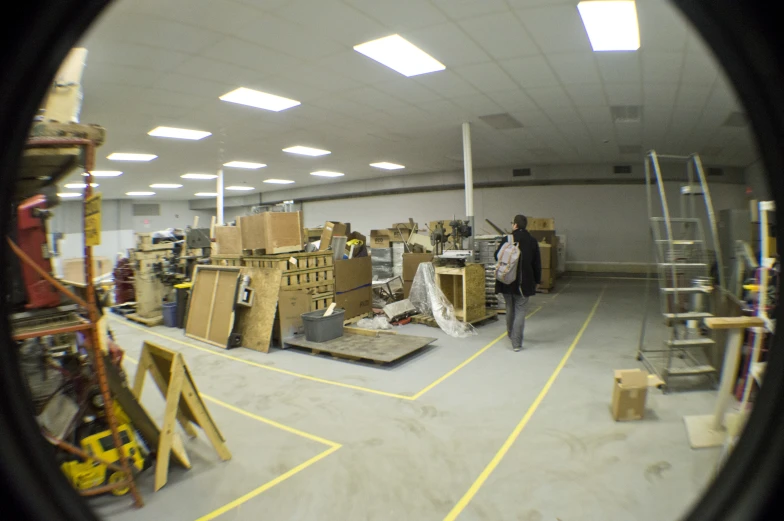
pixel 379 322
pixel 430 300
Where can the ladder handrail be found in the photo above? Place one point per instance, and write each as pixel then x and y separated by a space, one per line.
pixel 711 218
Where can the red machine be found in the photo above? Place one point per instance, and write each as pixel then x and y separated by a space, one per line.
pixel 31 238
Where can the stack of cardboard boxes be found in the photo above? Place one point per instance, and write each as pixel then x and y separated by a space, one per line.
pixel 543 230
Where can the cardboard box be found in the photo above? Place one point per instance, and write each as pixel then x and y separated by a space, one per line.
pixel 407 288
pixel 380 239
pixel 228 240
pixel 354 286
pixel 360 251
pixel 545 253
pixel 73 269
pixel 630 389
pixel 540 224
pixel 407 226
pixel 400 235
pixel 288 320
pixel 411 262
pixel 547 279
pixel 273 232
pixel 331 230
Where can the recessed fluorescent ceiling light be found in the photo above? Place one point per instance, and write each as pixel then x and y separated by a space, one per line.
pixel 399 54
pixel 140 194
pixel 179 133
pixel 240 188
pixel 198 176
pixel 324 173
pixel 105 173
pixel 66 195
pixel 122 156
pixel 278 181
pixel 80 185
pixel 258 99
pixel 306 151
pixel 244 164
pixel 206 194
pixel 165 185
pixel 611 26
pixel 387 166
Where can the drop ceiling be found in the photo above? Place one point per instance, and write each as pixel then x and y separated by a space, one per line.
pixel 165 63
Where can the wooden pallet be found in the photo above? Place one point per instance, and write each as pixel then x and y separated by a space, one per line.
pixel 430 321
pixel 149 322
pixel 356 319
pixel 321 301
pixel 378 347
pixel 226 260
pixel 276 251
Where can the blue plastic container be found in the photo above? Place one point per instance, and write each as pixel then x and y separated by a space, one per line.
pixel 170 314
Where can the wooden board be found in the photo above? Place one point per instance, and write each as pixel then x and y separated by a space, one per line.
pixel 382 349
pixel 227 239
pixel 149 322
pixel 255 324
pixel 430 321
pixel 733 322
pixel 465 288
pixel 211 308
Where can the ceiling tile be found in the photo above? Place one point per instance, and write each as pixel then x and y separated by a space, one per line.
pixel 360 68
pixel 324 16
pixel 374 98
pixel 512 100
pixel 206 14
pixel 121 74
pixel 446 83
pixel 662 28
pixel 623 93
pixel 556 28
pixel 564 114
pixel 595 114
pixel 288 38
pixel 661 67
pixel 691 97
pixel 573 68
pixel 549 97
pixel 248 55
pixel 659 94
pixel 409 91
pixel 265 5
pixel 587 95
pixel 154 32
pixel 619 67
pixel 461 9
pixel 699 69
pixel 199 67
pixel 501 35
pixel 196 86
pixel 448 44
pixel 320 77
pixel 479 105
pixel 487 77
pixel 400 15
pixel 132 55
pixel 531 71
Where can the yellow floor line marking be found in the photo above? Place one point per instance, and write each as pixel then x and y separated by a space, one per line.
pixel 267 367
pixel 333 446
pixel 333 382
pixel 469 495
pixel 467 361
pixel 268 485
pixel 562 290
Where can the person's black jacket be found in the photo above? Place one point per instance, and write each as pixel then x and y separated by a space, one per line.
pixel 529 267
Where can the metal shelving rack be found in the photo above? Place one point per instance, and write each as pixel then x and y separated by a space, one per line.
pixel 90 327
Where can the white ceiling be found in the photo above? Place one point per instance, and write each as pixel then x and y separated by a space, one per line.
pixel 154 62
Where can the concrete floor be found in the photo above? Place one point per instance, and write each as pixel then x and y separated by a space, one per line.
pixel 500 438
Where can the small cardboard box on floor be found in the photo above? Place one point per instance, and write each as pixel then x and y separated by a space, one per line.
pixel 288 321
pixel 411 262
pixel 354 286
pixel 630 390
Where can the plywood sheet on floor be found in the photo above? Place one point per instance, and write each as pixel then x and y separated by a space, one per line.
pixel 382 348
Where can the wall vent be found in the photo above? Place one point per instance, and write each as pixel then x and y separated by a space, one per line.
pixel 521 172
pixel 146 210
pixel 622 169
pixel 715 171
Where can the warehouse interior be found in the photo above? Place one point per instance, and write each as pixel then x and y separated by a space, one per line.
pixel 258 246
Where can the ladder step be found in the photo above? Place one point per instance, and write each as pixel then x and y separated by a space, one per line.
pixel 683 264
pixel 681 242
pixel 696 370
pixel 691 342
pixel 695 315
pixel 701 289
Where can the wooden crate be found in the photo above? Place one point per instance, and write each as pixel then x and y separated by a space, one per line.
pixel 226 260
pixel 465 289
pixel 311 271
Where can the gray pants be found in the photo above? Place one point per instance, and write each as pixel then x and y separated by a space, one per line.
pixel 515 318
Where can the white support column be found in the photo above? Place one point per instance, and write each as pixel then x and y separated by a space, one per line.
pixel 219 202
pixel 468 168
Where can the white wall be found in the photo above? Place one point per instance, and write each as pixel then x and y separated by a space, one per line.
pixel 602 223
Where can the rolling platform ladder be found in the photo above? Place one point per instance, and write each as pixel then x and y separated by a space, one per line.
pixel 685 267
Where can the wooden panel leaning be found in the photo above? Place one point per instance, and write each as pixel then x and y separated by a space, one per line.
pixel 311 271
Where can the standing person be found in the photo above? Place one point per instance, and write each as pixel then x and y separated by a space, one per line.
pixel 529 275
